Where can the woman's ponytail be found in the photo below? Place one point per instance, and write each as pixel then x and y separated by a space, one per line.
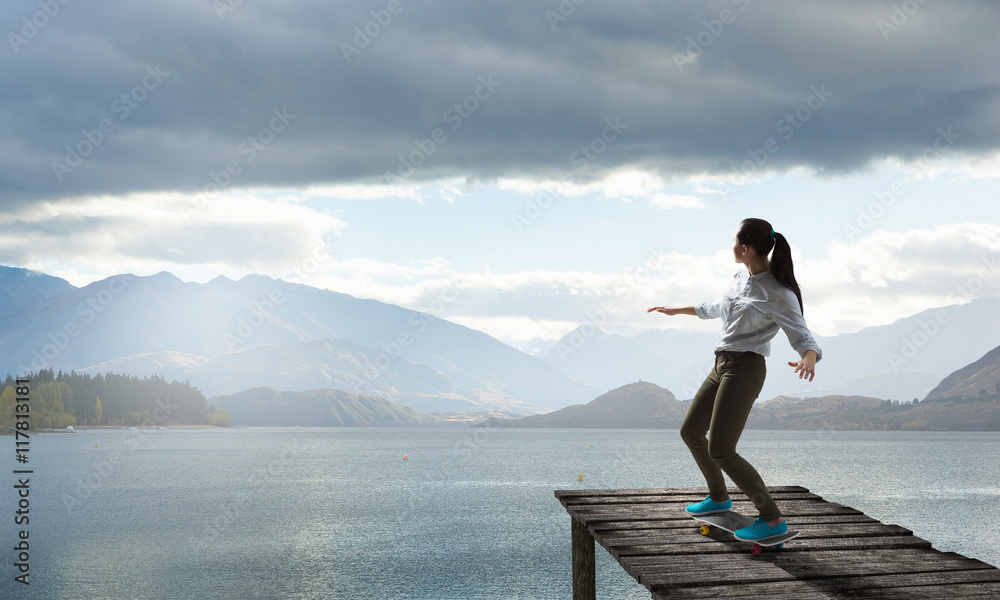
pixel 782 268
pixel 759 235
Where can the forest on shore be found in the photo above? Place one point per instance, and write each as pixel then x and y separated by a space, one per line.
pixel 58 400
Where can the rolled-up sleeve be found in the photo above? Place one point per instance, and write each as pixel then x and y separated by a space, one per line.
pixel 709 310
pixel 788 316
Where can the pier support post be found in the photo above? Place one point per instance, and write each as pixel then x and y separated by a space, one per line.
pixel 584 574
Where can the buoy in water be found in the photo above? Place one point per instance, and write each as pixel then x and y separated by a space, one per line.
pixel 405 457
pixel 580 478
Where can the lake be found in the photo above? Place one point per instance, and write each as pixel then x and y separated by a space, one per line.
pixel 338 513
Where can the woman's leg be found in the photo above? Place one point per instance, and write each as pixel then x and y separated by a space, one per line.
pixel 696 424
pixel 740 381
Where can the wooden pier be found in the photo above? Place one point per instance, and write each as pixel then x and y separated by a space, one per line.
pixel 840 553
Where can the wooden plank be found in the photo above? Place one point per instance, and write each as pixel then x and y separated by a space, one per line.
pixel 671 499
pixel 644 512
pixel 982 591
pixel 920 586
pixel 788 507
pixel 788 590
pixel 694 550
pixel 684 522
pixel 584 570
pixel 679 571
pixel 617 537
pixel 680 491
pixel 692 546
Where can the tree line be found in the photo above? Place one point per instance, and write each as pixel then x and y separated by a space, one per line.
pixel 59 399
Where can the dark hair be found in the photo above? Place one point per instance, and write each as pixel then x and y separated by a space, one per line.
pixel 756 233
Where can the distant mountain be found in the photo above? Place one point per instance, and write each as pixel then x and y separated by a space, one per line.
pixel 636 405
pixel 827 412
pixel 901 386
pixel 646 405
pixel 903 360
pixel 980 377
pixel 318 408
pixel 20 287
pixel 859 412
pixel 675 359
pixel 225 336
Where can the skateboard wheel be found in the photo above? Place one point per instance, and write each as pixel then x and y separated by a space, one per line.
pixel 705 529
pixel 756 549
pixel 779 546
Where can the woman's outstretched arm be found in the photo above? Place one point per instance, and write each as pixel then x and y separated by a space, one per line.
pixel 686 310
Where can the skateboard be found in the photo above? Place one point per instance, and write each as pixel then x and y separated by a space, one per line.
pixel 731 521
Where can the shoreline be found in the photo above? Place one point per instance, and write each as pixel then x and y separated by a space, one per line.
pixel 11 430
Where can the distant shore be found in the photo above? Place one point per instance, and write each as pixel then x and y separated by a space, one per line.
pixel 168 426
pixel 10 430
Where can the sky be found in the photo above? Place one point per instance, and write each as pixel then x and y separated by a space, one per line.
pixel 519 167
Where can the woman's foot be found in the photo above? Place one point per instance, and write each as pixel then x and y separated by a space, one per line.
pixel 709 506
pixel 760 530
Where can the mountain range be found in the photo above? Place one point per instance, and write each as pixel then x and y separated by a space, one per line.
pixel 963 402
pixel 636 405
pixel 645 405
pixel 903 360
pixel 226 336
pixel 319 408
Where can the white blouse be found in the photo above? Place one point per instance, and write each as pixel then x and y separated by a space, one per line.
pixel 752 309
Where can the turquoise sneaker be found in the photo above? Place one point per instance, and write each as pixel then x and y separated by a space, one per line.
pixel 760 530
pixel 708 507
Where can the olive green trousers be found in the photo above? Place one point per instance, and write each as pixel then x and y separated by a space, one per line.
pixel 720 408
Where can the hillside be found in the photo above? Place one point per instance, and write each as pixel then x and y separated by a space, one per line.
pixel 645 405
pixel 902 360
pixel 636 405
pixel 979 378
pixel 225 336
pixel 318 408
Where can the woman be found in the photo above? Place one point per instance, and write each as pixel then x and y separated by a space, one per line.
pixel 759 300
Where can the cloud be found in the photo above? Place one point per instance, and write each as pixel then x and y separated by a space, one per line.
pixel 177 96
pixel 874 280
pixel 232 233
pixel 668 201
pixel 886 275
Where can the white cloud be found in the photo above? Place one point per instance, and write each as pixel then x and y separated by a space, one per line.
pixel 194 237
pixel 668 201
pixel 515 330
pixel 885 276
pixel 627 185
pixel 875 280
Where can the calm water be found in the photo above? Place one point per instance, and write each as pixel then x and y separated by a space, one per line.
pixel 337 513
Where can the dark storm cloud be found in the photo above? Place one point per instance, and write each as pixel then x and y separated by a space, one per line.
pixel 187 95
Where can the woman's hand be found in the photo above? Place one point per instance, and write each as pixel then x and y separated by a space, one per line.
pixel 806 368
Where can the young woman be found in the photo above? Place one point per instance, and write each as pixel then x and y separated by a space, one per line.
pixel 759 300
